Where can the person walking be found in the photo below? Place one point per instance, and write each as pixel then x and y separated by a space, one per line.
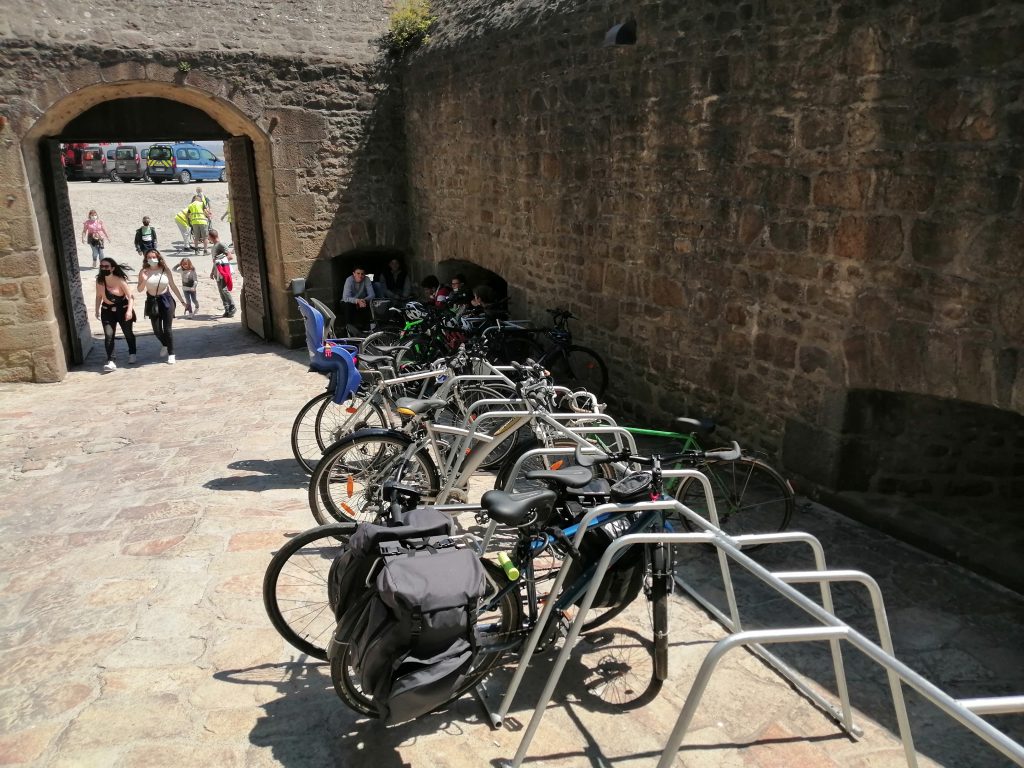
pixel 181 219
pixel 96 235
pixel 157 280
pixel 145 237
pixel 199 222
pixel 115 306
pixel 221 272
pixel 189 285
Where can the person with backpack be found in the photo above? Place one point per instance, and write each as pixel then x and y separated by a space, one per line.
pixel 221 272
pixel 145 237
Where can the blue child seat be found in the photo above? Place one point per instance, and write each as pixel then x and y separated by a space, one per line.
pixel 329 356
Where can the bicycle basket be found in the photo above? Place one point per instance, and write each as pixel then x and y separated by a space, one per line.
pixel 635 486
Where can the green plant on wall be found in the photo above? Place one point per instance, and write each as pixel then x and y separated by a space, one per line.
pixel 409 28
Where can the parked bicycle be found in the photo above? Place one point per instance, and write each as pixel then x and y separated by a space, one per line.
pixel 572 365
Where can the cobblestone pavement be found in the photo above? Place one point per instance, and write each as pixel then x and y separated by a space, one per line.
pixel 139 510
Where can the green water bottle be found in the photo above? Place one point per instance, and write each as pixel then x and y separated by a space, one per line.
pixel 508 566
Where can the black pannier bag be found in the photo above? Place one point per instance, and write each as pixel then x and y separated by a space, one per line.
pixel 622 579
pixel 411 641
pixel 349 572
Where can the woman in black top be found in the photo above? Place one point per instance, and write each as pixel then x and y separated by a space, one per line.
pixel 115 306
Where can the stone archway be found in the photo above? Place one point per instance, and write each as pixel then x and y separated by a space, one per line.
pixel 203 115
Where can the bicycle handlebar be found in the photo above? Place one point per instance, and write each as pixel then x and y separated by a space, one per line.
pixel 690 457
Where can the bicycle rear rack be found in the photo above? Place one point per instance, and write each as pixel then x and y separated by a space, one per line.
pixel 828 628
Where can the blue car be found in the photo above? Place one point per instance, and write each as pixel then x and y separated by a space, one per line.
pixel 185 162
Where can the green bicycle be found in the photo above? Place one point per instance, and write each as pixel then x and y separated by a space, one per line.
pixel 750 495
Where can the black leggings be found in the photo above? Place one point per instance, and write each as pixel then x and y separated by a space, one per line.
pixel 112 315
pixel 162 322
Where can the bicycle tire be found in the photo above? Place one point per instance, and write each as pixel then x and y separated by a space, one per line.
pixel 378 340
pixel 495 632
pixel 305 445
pixel 749 495
pixel 578 367
pixel 296 578
pixel 346 484
pixel 521 484
pixel 518 348
pixel 333 420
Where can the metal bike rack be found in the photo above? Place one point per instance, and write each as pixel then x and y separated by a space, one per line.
pixel 829 628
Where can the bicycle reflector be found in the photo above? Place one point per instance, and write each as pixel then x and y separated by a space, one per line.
pixel 403 411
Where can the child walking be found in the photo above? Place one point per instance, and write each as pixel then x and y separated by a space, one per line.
pixel 189 285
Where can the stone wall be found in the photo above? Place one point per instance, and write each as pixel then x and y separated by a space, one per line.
pixel 299 29
pixel 754 209
pixel 329 152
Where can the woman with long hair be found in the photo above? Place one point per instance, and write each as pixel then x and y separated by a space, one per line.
pixel 157 280
pixel 115 306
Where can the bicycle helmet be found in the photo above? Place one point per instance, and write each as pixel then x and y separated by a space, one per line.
pixel 415 311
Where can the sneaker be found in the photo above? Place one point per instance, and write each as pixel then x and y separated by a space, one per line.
pixel 170 359
pixel 163 351
pixel 131 358
pixel 110 366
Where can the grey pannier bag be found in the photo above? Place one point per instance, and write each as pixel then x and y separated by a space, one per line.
pixel 413 642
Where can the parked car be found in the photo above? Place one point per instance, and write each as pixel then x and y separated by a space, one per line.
pixel 185 162
pixel 85 163
pixel 110 164
pixel 131 163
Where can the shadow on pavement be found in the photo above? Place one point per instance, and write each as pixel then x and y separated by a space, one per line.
pixel 276 473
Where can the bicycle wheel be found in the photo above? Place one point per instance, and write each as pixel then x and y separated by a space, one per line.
pixel 375 343
pixel 518 348
pixel 337 420
pixel 750 497
pixel 347 483
pixel 305 447
pixel 295 587
pixel 496 632
pixel 474 393
pixel 557 461
pixel 575 367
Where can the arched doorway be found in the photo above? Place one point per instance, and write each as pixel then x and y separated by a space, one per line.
pixel 148 111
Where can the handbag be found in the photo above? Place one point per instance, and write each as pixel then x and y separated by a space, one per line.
pixel 151 310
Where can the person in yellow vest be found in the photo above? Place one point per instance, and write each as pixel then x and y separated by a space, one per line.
pixel 199 222
pixel 182 221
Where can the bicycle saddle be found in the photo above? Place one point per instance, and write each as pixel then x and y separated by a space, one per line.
pixel 414 406
pixel 519 509
pixel 704 426
pixel 577 481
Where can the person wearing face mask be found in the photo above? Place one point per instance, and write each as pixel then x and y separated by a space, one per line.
pixel 157 280
pixel 95 234
pixel 115 306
